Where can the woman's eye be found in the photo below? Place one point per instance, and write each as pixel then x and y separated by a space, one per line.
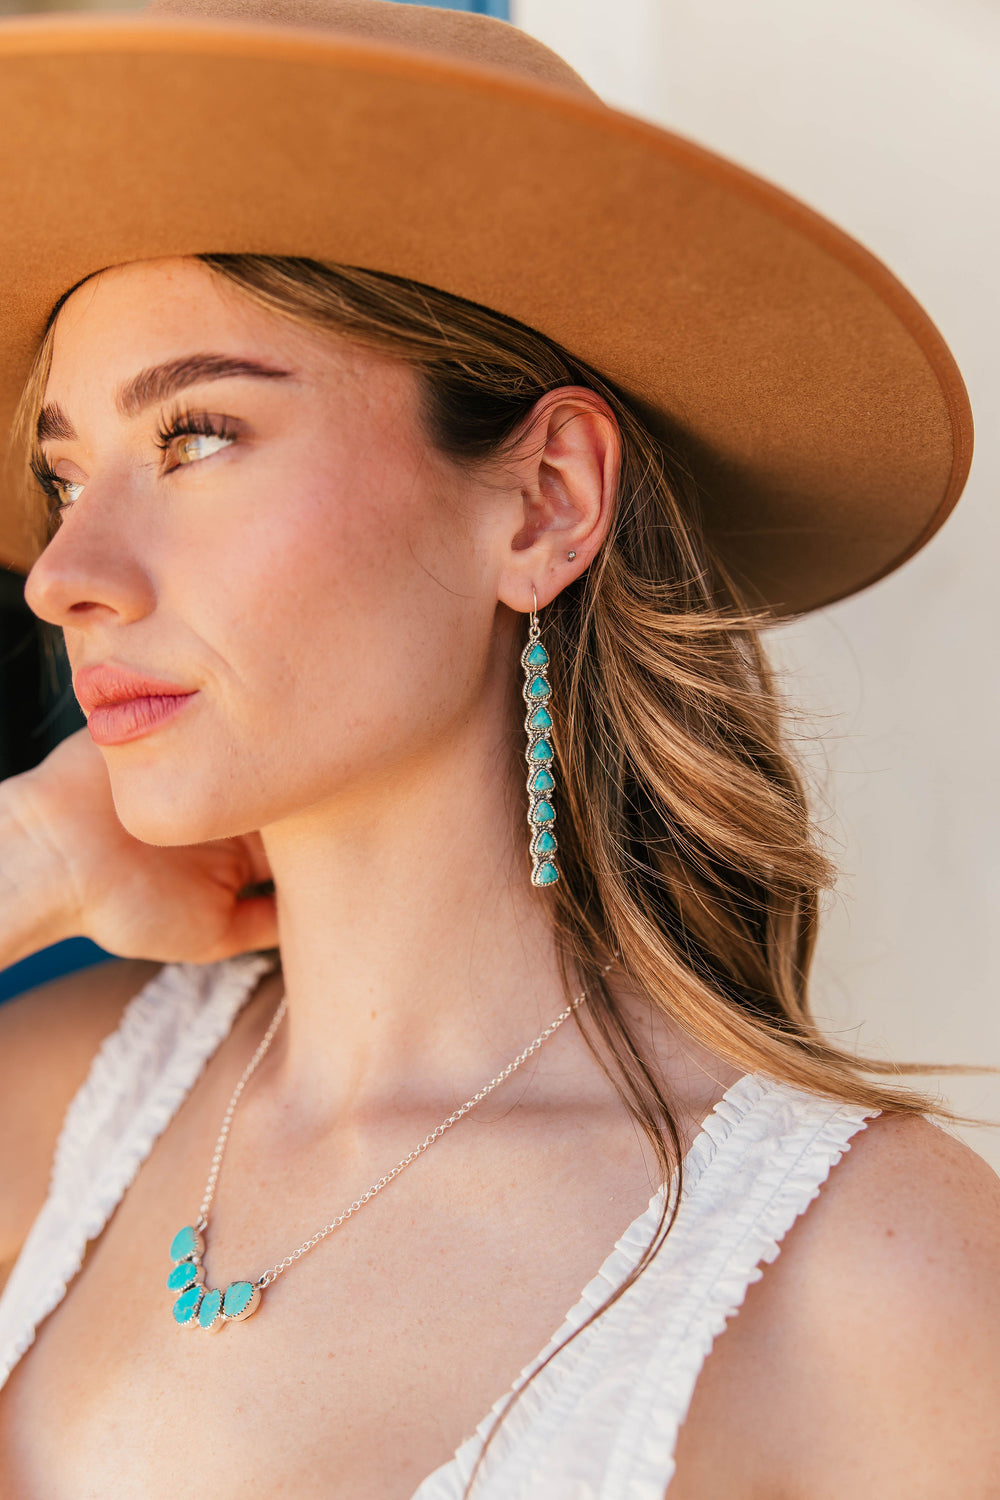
pixel 68 492
pixel 195 445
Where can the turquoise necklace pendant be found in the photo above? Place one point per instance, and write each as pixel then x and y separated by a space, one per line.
pixel 199 1306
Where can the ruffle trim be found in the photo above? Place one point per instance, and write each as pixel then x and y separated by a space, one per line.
pixel 759 1160
pixel 138 1079
pixel 813 1135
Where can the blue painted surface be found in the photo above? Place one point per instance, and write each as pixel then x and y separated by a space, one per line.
pixel 50 963
pixel 498 8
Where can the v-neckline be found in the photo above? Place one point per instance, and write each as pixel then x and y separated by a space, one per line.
pixel 445 1482
pixel 442 1483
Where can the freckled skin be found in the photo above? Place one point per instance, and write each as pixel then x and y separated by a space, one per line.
pixel 280 575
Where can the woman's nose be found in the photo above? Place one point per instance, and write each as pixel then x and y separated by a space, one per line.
pixel 90 572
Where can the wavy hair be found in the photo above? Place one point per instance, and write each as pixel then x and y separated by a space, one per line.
pixel 686 846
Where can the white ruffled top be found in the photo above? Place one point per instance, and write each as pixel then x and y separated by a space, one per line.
pixel 600 1421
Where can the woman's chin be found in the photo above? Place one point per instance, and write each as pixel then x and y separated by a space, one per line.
pixel 174 821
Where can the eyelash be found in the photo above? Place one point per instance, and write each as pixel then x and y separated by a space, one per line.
pixel 181 423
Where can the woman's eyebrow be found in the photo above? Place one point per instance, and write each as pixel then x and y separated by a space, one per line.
pixel 159 383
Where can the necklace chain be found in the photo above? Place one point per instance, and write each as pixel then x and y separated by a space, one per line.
pixel 376 1187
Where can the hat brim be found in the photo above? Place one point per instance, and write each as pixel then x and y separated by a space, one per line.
pixel 819 407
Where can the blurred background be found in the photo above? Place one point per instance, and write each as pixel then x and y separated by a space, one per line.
pixel 884 115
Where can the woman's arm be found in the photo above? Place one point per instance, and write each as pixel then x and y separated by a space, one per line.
pixel 35 899
pixel 68 868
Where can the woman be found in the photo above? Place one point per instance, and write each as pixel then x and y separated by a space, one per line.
pixel 299 511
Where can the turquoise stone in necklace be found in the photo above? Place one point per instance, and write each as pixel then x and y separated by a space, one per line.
pixel 210 1311
pixel 198 1305
pixel 186 1306
pixel 187 1244
pixel 184 1275
pixel 242 1299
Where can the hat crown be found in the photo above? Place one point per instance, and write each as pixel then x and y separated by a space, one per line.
pixel 461 35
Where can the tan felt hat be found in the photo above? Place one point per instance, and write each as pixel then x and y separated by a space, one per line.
pixel 818 405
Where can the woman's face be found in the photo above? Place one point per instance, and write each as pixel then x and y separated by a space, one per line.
pixel 304 566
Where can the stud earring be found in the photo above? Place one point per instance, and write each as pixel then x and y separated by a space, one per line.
pixel 540 754
pixel 570 556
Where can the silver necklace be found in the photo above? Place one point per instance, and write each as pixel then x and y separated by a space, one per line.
pixel 198 1306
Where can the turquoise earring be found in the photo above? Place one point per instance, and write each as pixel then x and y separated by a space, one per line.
pixel 540 755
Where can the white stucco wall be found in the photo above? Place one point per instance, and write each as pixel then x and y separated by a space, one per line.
pixel 886 117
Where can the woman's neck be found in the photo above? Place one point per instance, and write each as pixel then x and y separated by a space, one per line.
pixel 416 953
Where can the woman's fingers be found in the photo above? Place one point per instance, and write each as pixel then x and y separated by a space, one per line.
pixel 173 904
pixel 254 924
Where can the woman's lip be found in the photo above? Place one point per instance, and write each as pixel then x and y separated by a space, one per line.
pixel 116 723
pixel 109 683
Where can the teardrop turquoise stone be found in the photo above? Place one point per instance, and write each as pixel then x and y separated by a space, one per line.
pixel 538 656
pixel 182 1276
pixel 239 1295
pixel 211 1309
pixel 543 812
pixel 184 1244
pixel 542 750
pixel 546 874
pixel 540 719
pixel 542 781
pixel 545 843
pixel 186 1306
pixel 538 687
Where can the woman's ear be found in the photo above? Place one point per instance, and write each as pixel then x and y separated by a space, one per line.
pixel 563 476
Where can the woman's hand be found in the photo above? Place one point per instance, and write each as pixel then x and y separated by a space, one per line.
pixel 68 868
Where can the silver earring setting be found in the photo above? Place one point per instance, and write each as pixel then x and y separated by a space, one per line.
pixel 540 755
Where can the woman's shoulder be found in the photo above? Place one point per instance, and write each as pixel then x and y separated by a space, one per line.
pixel 49 1037
pixel 896 1277
pixel 906 1233
pixel 867 1358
